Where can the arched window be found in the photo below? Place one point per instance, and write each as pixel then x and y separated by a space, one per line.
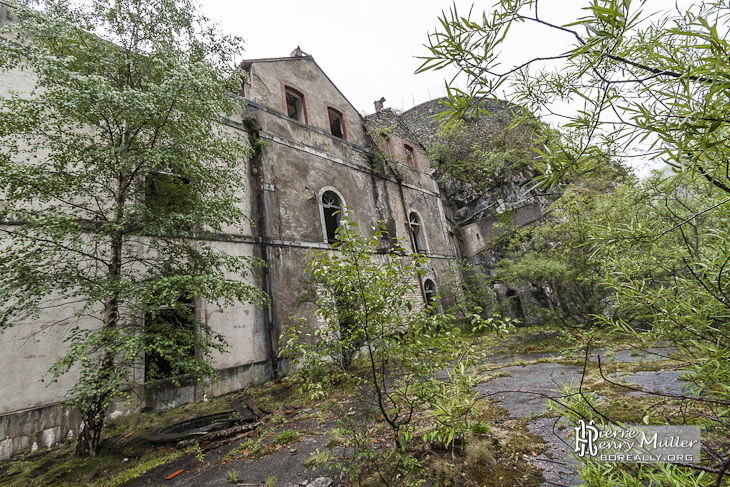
pixel 429 289
pixel 419 238
pixel 331 214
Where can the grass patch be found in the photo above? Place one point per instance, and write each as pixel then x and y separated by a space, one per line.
pixel 285 437
pixel 319 459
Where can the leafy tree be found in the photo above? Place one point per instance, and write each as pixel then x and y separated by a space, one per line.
pixel 631 77
pixel 649 85
pixel 464 288
pixel 371 333
pixel 116 177
pixel 555 257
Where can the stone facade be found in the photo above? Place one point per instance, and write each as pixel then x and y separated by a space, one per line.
pixel 316 143
pixel 483 214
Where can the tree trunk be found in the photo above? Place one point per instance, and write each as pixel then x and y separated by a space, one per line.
pixel 88 443
pixel 93 407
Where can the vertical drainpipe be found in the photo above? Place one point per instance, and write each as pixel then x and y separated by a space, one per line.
pixel 257 170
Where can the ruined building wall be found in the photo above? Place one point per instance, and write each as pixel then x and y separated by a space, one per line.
pixel 297 162
pixel 484 209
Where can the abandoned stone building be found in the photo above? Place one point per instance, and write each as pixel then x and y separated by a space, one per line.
pixel 319 157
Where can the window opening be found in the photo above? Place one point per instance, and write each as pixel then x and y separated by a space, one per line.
pixel 332 207
pixel 167 193
pixel 169 334
pixel 514 303
pixel 429 289
pixel 294 104
pixel 337 127
pixel 415 224
pixel 409 156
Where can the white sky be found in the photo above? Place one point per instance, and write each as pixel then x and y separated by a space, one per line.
pixel 368 49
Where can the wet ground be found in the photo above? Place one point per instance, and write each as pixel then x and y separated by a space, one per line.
pixel 521 385
pixel 526 389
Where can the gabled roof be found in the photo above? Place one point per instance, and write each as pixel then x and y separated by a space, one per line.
pixel 248 62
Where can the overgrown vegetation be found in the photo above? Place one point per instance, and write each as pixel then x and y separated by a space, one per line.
pixel 374 337
pixel 483 161
pixel 116 175
pixel 649 259
pixel 554 258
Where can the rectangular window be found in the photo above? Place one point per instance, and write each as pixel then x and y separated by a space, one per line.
pixel 294 104
pixel 337 127
pixel 167 193
pixel 169 340
pixel 409 155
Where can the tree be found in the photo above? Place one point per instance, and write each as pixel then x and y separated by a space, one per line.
pixel 555 256
pixel 117 175
pixel 655 86
pixel 631 78
pixel 374 335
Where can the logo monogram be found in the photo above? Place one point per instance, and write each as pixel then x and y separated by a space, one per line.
pixel 585 436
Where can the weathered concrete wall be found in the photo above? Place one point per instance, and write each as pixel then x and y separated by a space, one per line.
pixel 485 209
pixel 6 14
pixel 302 73
pixel 298 162
pixel 43 427
pixel 480 235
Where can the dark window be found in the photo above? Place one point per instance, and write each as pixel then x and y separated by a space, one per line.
pixel 294 104
pixel 170 337
pixel 409 155
pixel 167 193
pixel 332 207
pixel 415 224
pixel 429 289
pixel 337 126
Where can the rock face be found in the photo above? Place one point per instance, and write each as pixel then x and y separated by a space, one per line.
pixel 492 196
pixel 489 193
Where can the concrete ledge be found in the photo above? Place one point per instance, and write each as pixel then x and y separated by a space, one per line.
pixel 31 429
pixel 48 426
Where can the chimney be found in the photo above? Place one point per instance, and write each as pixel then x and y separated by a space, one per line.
pixel 297 53
pixel 379 104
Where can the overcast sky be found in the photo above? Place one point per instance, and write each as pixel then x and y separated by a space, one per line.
pixel 368 49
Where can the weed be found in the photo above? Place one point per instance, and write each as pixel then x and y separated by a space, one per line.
pixel 246 445
pixel 318 459
pixel 480 428
pixel 198 453
pixel 285 437
pixel 271 481
pixel 233 476
pixel 479 452
pixel 337 437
